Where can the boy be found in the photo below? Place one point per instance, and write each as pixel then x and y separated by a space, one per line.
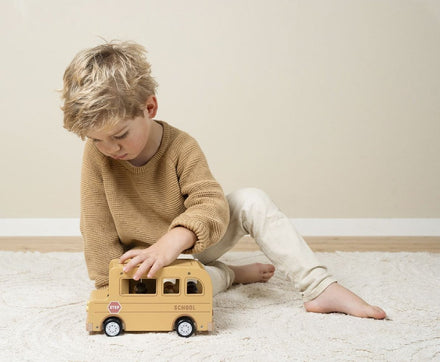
pixel 147 193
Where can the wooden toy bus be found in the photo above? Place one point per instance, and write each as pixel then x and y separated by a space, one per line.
pixel 178 298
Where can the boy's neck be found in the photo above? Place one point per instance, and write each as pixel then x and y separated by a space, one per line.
pixel 153 145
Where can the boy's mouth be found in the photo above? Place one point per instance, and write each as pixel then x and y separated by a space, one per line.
pixel 120 157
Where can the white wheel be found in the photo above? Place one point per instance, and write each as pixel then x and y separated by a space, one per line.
pixel 185 327
pixel 112 327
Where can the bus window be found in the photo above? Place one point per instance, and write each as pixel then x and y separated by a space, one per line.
pixel 171 286
pixel 193 286
pixel 142 286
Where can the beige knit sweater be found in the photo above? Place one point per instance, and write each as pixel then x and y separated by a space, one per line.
pixel 123 206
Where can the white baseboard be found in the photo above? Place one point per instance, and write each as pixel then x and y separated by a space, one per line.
pixel 368 227
pixel 306 227
pixel 39 227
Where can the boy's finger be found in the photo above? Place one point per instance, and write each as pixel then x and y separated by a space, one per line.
pixel 127 255
pixel 154 269
pixel 136 260
pixel 142 269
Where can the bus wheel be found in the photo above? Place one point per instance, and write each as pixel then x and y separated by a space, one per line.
pixel 112 327
pixel 185 327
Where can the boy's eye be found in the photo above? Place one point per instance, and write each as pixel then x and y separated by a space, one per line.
pixel 122 136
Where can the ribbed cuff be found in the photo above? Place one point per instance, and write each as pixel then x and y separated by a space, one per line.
pixel 197 228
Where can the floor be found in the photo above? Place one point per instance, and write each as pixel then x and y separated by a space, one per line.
pixel 43 310
pixel 321 244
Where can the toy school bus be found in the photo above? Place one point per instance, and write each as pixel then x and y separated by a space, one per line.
pixel 178 298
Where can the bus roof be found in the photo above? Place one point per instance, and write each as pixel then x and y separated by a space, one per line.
pixel 179 263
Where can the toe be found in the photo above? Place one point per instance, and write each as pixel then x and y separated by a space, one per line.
pixel 378 313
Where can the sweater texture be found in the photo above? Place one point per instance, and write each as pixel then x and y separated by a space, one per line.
pixel 125 207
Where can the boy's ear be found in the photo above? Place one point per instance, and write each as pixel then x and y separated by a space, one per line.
pixel 151 106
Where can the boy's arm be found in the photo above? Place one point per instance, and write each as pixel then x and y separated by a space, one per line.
pixel 207 210
pixel 101 241
pixel 202 224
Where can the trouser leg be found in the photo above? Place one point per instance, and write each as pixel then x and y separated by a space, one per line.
pixel 221 275
pixel 253 213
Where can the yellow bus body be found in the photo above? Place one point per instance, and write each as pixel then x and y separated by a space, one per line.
pixel 180 290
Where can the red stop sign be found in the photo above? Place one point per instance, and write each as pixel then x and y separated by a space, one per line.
pixel 114 307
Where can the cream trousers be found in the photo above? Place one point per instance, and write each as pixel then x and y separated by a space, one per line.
pixel 253 213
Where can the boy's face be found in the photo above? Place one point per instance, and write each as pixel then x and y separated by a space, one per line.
pixel 129 139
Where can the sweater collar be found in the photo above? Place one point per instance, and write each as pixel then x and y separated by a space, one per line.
pixel 156 156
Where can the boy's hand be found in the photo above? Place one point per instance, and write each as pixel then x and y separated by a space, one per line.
pixel 160 254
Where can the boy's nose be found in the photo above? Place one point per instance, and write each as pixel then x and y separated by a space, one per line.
pixel 112 147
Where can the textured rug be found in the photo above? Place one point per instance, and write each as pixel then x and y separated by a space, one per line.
pixel 43 299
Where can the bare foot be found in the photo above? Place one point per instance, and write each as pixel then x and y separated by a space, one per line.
pixel 336 298
pixel 252 273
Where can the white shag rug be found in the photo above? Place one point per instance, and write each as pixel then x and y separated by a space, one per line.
pixel 43 299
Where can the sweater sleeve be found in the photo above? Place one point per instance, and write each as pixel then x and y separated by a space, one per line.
pixel 207 210
pixel 101 241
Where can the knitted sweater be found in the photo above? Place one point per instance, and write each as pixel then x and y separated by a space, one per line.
pixel 125 207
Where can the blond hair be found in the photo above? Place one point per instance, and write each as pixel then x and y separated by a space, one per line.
pixel 104 85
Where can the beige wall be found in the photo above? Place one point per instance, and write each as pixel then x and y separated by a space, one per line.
pixel 332 107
